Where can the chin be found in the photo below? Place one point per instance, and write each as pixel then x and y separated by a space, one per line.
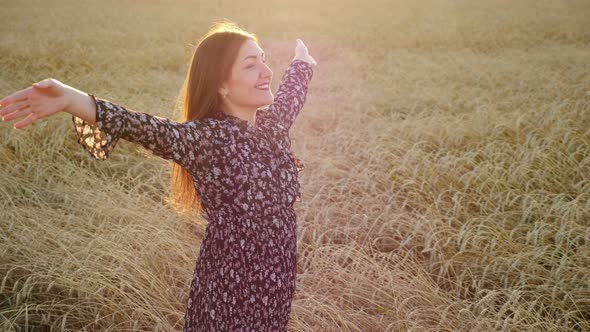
pixel 267 101
pixel 263 106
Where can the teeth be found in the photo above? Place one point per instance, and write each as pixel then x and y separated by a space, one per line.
pixel 263 86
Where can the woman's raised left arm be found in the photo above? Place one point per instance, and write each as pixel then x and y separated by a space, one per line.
pixel 292 91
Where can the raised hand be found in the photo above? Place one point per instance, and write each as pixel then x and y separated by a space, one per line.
pixel 302 53
pixel 40 100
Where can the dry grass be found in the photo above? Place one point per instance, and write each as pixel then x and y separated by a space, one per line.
pixel 447 152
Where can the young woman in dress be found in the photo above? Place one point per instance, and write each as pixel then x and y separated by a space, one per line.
pixel 232 161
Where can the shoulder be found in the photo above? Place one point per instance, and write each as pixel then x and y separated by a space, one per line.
pixel 266 118
pixel 216 131
pixel 207 125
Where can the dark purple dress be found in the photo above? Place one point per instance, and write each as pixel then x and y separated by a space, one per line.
pixel 247 179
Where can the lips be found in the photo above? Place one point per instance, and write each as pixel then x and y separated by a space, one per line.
pixel 263 86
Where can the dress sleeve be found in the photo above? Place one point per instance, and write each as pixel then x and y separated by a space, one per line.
pixel 291 94
pixel 176 141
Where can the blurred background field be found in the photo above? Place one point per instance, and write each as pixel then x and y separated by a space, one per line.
pixel 447 153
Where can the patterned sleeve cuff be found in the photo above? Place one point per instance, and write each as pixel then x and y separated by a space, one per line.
pixel 99 139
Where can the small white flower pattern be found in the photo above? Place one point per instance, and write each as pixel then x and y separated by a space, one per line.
pixel 247 179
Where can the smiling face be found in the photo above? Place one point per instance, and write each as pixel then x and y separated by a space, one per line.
pixel 248 87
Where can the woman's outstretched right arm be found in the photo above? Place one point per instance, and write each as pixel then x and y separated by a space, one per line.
pixel 100 123
pixel 168 139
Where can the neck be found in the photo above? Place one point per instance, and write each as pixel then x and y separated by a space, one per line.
pixel 246 114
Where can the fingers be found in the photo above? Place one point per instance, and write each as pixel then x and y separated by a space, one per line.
pixel 300 44
pixel 20 95
pixel 14 107
pixel 31 116
pixel 26 121
pixel 43 84
pixel 313 60
pixel 301 51
pixel 17 114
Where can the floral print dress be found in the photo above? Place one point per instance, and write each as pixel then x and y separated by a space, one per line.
pixel 247 180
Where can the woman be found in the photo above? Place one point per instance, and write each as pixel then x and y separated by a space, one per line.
pixel 232 161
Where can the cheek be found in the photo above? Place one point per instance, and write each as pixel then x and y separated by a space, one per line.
pixel 247 83
pixel 248 86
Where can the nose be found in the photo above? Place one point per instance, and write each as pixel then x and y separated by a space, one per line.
pixel 267 72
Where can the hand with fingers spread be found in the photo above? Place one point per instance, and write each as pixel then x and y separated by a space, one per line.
pixel 302 53
pixel 40 100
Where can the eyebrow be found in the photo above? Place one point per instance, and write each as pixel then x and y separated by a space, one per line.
pixel 253 56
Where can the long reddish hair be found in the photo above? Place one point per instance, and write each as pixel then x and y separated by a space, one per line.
pixel 211 65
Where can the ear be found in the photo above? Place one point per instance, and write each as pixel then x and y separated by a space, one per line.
pixel 223 89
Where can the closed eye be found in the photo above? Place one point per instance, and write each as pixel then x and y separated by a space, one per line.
pixel 250 66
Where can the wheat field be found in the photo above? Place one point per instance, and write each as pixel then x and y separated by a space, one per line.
pixel 447 154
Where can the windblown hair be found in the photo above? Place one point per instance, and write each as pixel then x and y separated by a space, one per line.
pixel 210 66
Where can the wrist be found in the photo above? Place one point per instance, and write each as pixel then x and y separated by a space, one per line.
pixel 304 58
pixel 73 100
pixel 301 57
